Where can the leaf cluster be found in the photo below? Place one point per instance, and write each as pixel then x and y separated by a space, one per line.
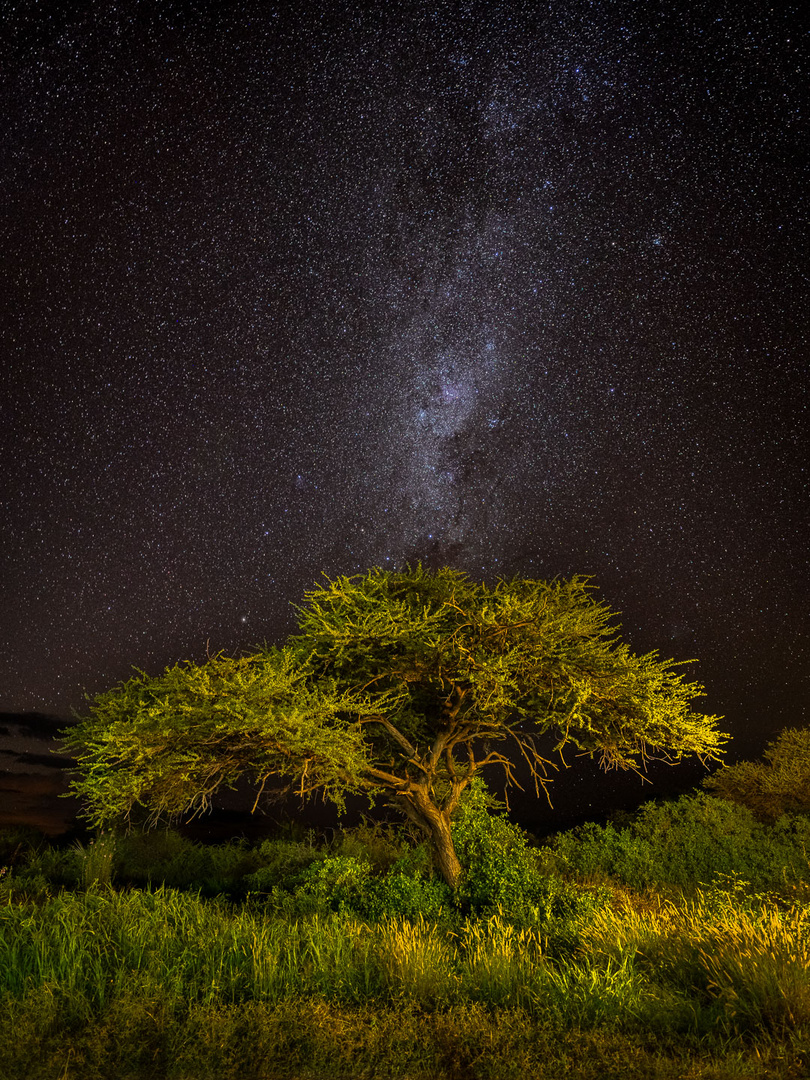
pixel 519 659
pixel 780 784
pixel 167 743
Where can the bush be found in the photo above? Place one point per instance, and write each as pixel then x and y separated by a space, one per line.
pixel 594 851
pixel 282 862
pixel 57 867
pixel 780 784
pixel 501 871
pixel 400 895
pixel 18 843
pixel 166 857
pixel 336 883
pixel 343 883
pixel 380 844
pixel 688 842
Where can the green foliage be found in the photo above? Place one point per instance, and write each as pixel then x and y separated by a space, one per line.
pixel 524 650
pixel 17 843
pixel 604 852
pixel 402 895
pixel 282 862
pixel 141 1038
pixel 167 743
pixel 402 685
pixel 705 969
pixel 284 868
pixel 342 925
pixel 500 870
pixel 362 932
pixel 337 883
pixel 384 846
pixel 96 860
pixel 50 868
pixel 503 875
pixel 348 884
pixel 778 785
pixel 164 857
pixel 688 841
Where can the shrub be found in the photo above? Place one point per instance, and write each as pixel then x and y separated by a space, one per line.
pixel 18 843
pixel 599 852
pixel 336 883
pixel 780 784
pixel 499 868
pixel 282 863
pixel 378 843
pixel 166 857
pixel 401 895
pixel 58 867
pixel 689 841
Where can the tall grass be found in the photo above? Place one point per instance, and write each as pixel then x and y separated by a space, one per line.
pixel 95 861
pixel 750 963
pixel 697 967
pixel 294 960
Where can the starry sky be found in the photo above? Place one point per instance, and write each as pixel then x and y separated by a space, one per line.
pixel 292 288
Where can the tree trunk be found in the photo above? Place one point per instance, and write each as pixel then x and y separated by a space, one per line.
pixel 436 823
pixel 446 857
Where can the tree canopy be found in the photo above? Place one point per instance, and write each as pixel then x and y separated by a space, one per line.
pixel 779 784
pixel 401 685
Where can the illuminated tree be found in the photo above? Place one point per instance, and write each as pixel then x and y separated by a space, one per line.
pixel 401 686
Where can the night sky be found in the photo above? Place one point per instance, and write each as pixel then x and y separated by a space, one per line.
pixel 517 287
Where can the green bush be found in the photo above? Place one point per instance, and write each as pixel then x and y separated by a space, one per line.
pixel 162 856
pixel 500 869
pixel 336 883
pixel 166 857
pixel 595 851
pixel 18 843
pixel 282 863
pixel 401 895
pixel 777 785
pixel 381 844
pixel 688 842
pixel 347 883
pixel 57 867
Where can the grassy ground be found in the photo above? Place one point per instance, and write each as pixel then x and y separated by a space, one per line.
pixel 151 984
pixel 601 956
pixel 137 1038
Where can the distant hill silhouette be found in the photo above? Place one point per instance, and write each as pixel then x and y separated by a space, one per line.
pixel 32 777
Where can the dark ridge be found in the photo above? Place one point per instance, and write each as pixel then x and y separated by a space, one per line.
pixel 51 761
pixel 40 725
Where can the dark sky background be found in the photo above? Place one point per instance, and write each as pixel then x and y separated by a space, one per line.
pixel 291 288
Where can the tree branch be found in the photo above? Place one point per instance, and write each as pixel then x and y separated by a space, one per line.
pixel 396 735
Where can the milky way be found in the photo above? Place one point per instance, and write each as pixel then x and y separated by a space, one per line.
pixel 292 290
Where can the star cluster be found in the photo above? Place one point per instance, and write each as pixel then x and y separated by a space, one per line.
pixel 299 288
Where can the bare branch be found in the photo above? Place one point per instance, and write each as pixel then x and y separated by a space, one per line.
pixel 437 750
pixel 451 765
pixel 387 778
pixel 533 759
pixel 460 692
pixel 396 735
pixel 265 778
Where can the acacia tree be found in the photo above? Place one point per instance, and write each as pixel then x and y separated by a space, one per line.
pixel 400 685
pixel 780 784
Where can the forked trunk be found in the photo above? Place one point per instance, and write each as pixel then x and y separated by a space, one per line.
pixel 436 823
